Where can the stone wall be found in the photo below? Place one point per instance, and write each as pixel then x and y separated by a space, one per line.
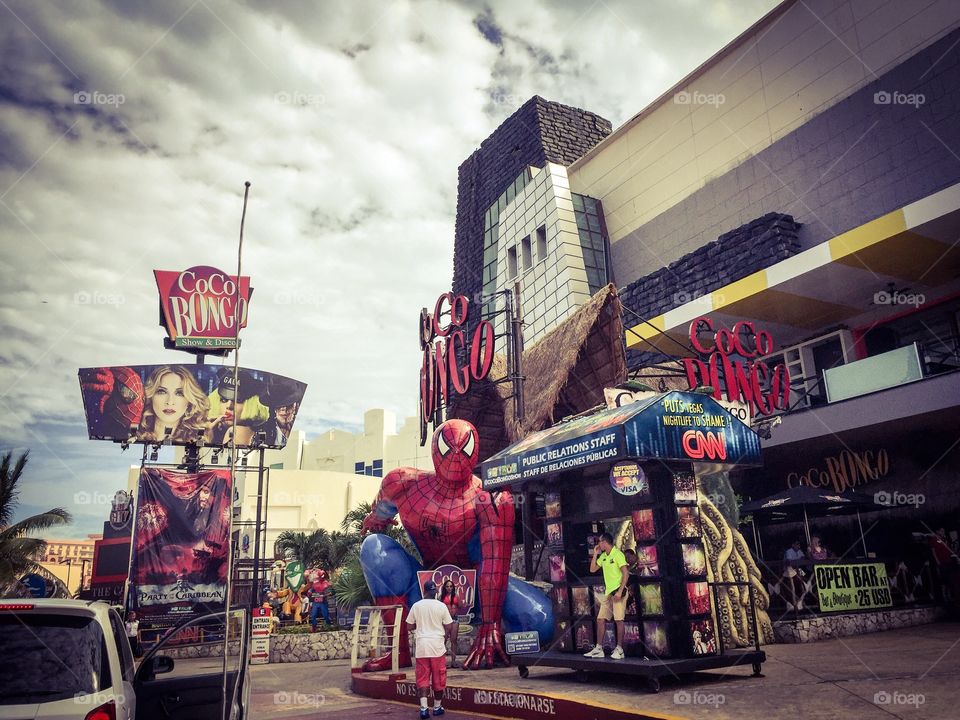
pixel 823 627
pixel 736 254
pixel 538 132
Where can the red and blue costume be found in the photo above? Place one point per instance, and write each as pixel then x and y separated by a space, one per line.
pixel 451 519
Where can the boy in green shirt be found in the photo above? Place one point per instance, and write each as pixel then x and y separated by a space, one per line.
pixel 613 605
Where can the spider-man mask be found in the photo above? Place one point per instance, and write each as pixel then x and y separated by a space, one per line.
pixel 126 402
pixel 455 451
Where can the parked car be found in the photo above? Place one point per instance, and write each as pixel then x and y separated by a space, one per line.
pixel 64 659
pixel 71 660
pixel 193 689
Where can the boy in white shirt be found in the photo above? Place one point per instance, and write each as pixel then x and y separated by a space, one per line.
pixel 431 620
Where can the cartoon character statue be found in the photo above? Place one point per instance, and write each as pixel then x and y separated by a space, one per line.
pixel 291 606
pixel 317 589
pixel 451 519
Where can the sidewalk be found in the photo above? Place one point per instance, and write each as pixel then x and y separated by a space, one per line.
pixel 909 673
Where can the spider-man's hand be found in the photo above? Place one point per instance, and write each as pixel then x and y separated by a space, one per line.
pixel 99 380
pixel 487 647
pixel 372 523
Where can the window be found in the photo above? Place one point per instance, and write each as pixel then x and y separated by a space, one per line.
pixel 378 468
pixel 358 468
pixel 541 243
pixel 525 253
pixel 512 263
pixel 589 215
pixel 491 230
pixel 123 646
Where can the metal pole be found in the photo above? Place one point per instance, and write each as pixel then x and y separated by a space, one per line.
pixel 256 534
pixel 806 525
pixel 228 699
pixel 518 353
pixel 526 517
pixel 863 540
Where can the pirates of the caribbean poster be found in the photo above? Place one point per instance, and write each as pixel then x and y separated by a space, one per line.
pixel 180 544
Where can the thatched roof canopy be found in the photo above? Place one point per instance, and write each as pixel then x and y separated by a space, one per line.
pixel 565 373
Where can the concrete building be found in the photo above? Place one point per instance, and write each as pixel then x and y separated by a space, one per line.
pixel 805 179
pixel 71 561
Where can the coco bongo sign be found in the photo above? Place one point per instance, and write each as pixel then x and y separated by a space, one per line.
pixel 451 360
pixel 200 306
pixel 731 360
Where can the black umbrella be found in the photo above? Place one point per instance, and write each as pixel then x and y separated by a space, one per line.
pixel 803 501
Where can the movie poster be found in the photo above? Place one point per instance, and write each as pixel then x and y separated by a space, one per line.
pixel 655 638
pixel 558 569
pixel 688 522
pixel 583 635
pixel 186 404
pixel 181 543
pixel 551 504
pixel 684 487
pixel 643 525
pixel 694 559
pixel 651 599
pixel 555 534
pixel 561 601
pixel 647 563
pixel 698 598
pixel 581 601
pixel 631 639
pixel 702 637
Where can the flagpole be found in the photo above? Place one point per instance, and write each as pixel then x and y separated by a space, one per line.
pixel 227 702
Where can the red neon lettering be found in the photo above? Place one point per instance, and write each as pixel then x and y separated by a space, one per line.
pixel 459 376
pixel 696 444
pixel 695 334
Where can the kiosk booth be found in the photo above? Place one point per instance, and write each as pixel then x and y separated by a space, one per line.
pixel 630 471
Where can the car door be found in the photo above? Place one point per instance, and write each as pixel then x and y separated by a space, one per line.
pixel 193 688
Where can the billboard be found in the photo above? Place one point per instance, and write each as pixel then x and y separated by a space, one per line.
pixel 181 542
pixel 184 404
pixel 200 305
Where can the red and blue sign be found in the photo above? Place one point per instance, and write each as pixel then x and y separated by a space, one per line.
pixel 683 426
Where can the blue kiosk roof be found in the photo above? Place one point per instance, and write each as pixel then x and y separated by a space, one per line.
pixel 683 426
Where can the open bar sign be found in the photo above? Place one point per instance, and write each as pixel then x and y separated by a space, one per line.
pixel 522 642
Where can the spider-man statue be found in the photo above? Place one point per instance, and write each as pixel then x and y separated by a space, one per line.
pixel 451 519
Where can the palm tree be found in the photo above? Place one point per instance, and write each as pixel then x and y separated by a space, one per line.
pixel 353 523
pixel 308 549
pixel 19 553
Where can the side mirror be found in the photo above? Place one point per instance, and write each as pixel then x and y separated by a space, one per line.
pixel 162 664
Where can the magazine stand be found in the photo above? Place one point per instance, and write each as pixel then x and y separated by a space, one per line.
pixel 630 472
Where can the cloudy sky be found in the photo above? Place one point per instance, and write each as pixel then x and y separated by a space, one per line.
pixel 348 118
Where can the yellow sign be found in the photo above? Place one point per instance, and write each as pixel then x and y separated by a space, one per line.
pixel 860 586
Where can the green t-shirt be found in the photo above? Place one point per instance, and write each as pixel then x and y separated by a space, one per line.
pixel 611 562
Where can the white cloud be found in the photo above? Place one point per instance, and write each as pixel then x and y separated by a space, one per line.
pixel 349 120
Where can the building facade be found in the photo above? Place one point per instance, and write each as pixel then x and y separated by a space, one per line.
pixel 804 180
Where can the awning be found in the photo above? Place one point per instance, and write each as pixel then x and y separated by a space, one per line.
pixel 683 426
pixel 912 250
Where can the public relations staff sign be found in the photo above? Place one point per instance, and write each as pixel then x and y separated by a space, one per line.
pixel 859 586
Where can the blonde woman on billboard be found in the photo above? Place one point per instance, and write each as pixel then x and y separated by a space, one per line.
pixel 175 409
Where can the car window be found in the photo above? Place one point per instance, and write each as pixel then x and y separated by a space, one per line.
pixel 44 657
pixel 123 646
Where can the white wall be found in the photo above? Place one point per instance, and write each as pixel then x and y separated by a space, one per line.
pixel 556 284
pixel 800 60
